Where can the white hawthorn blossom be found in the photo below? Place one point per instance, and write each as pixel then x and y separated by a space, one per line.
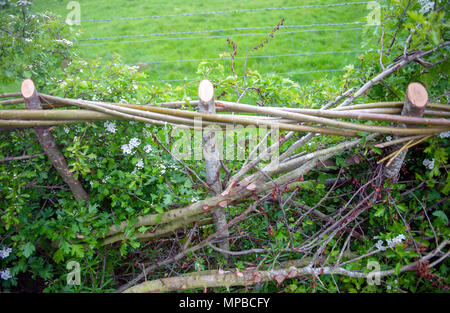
pixel 140 164
pixel 379 245
pixel 4 253
pixel 396 240
pixel 110 127
pixel 23 2
pixel 444 135
pixel 148 148
pixel 147 133
pixel 174 167
pixel 5 274
pixel 134 142
pixel 390 243
pixel 163 168
pixel 65 41
pixel 428 163
pixel 128 148
pixel 426 6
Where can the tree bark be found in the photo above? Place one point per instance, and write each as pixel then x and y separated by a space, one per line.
pixel 48 143
pixel 415 103
pixel 212 155
pixel 252 276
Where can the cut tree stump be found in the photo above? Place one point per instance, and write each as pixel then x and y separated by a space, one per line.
pixel 48 143
pixel 415 103
pixel 212 154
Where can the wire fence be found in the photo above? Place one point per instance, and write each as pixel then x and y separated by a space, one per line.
pixel 257 56
pixel 222 30
pixel 226 12
pixel 192 79
pixel 172 60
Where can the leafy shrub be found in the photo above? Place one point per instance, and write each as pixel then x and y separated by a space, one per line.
pixel 127 174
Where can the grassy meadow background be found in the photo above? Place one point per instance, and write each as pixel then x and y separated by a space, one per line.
pixel 316 53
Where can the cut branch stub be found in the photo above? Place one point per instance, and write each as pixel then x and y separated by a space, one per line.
pixel 48 143
pixel 30 95
pixel 212 154
pixel 206 97
pixel 415 103
pixel 416 100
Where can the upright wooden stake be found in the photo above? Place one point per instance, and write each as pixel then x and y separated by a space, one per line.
pixel 48 143
pixel 415 103
pixel 212 157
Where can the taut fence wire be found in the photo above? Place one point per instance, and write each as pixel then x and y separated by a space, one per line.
pixel 226 12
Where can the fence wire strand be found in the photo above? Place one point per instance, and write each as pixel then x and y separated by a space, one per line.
pixel 223 30
pixel 257 56
pixel 224 12
pixel 285 73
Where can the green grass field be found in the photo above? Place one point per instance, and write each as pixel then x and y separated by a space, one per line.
pixel 293 50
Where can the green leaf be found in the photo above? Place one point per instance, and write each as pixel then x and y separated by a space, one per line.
pixel 142 229
pixel 397 269
pixel 435 37
pixel 135 244
pixel 77 250
pixel 379 212
pixel 167 199
pixel 188 183
pixel 84 84
pixel 402 207
pixel 58 256
pixel 341 162
pixel 442 217
pixel 123 249
pixel 27 249
pixel 376 150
